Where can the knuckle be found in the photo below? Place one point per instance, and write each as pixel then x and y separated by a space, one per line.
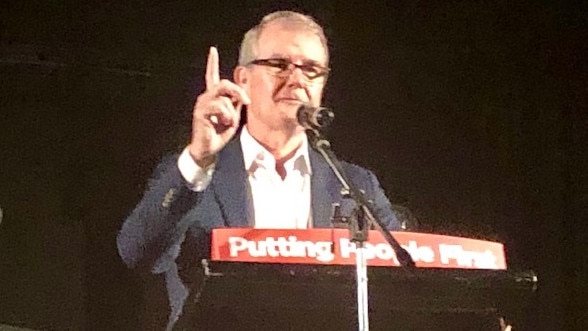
pixel 203 98
pixel 215 104
pixel 200 98
pixel 225 101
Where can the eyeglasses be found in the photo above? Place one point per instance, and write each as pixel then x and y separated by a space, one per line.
pixel 281 67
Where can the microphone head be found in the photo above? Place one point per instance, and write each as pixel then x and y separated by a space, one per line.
pixel 314 118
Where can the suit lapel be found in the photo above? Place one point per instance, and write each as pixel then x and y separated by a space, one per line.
pixel 230 185
pixel 231 188
pixel 325 190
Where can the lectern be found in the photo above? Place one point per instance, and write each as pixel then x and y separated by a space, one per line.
pixel 304 280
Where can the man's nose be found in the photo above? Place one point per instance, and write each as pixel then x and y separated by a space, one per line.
pixel 297 76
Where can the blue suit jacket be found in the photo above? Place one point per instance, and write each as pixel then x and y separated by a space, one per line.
pixel 171 218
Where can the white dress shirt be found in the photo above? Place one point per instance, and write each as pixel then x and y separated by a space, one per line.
pixel 275 203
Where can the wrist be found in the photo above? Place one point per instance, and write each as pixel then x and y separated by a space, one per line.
pixel 201 159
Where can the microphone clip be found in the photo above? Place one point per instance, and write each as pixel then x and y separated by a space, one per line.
pixel 314 118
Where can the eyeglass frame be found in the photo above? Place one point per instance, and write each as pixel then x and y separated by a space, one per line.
pixel 277 63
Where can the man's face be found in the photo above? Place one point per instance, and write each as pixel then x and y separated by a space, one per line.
pixel 276 99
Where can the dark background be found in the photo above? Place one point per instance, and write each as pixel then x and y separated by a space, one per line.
pixel 472 113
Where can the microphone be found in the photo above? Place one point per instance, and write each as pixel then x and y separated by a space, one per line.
pixel 314 118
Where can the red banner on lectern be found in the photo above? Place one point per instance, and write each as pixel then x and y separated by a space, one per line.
pixel 333 247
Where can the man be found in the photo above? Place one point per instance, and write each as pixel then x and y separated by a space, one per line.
pixel 266 176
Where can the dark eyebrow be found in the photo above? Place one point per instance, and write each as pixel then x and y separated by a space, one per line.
pixel 311 62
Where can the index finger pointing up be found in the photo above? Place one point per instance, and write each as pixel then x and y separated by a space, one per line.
pixel 212 71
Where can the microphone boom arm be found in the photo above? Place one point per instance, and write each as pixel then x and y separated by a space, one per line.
pixel 324 148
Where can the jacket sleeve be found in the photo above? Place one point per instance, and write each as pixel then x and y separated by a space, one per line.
pixel 151 236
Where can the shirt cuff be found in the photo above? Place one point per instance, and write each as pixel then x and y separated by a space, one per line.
pixel 198 178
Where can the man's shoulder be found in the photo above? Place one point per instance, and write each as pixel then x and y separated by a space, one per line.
pixel 355 170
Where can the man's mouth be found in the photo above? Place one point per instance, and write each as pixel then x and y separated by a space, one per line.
pixel 291 100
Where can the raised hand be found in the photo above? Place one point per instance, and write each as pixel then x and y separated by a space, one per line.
pixel 216 113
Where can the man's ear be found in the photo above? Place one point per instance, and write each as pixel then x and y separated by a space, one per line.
pixel 240 76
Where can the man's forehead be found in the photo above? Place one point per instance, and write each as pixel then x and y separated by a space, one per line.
pixel 291 37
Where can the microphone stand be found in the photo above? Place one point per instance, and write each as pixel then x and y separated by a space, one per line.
pixel 358 227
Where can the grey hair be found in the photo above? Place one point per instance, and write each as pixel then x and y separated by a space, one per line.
pixel 248 48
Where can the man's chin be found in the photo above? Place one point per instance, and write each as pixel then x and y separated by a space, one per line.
pixel 289 108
